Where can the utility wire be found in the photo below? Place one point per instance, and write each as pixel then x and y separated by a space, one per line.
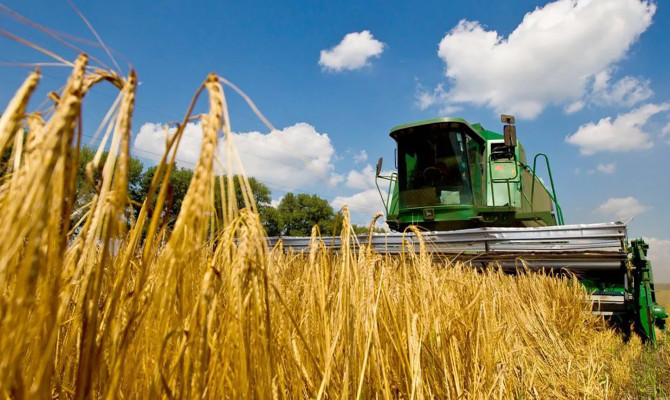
pixel 272 185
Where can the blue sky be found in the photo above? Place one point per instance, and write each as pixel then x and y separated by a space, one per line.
pixel 333 78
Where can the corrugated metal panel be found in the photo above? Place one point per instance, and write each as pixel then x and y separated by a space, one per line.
pixel 577 247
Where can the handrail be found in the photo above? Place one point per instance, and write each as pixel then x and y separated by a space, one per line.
pixel 559 211
pixel 392 178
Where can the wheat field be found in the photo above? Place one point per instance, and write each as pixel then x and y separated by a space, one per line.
pixel 118 305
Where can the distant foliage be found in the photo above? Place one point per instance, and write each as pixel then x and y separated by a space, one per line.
pixel 84 183
pixel 298 213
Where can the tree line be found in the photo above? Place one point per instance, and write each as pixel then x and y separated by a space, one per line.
pixel 294 215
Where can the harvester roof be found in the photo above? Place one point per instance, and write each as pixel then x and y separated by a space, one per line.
pixel 477 128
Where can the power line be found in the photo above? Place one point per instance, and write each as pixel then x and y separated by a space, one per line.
pixel 92 90
pixel 272 185
pixel 151 110
pixel 294 165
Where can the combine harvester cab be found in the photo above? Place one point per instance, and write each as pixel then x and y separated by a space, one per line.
pixel 480 202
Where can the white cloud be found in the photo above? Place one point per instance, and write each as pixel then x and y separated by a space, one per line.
pixel 293 157
pixel 659 255
pixel 425 99
pixel 665 131
pixel 440 97
pixel 353 52
pixel 621 135
pixel 549 58
pixel 606 168
pixel 361 157
pixel 574 107
pixel 275 203
pixel 367 203
pixel 364 179
pixel 150 143
pixel 622 208
pixel 627 91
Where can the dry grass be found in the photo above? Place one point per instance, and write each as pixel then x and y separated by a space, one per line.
pixel 208 311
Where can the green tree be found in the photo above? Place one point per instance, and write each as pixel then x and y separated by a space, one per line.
pixel 271 220
pixel 180 179
pixel 178 183
pixel 84 189
pixel 299 213
pixel 260 191
pixel 358 229
pixel 262 197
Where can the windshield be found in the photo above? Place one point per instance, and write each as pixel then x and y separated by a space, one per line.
pixel 433 168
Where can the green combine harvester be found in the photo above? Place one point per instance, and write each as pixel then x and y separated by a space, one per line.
pixel 453 175
pixel 478 200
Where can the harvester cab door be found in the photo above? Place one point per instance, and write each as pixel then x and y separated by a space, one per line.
pixel 504 177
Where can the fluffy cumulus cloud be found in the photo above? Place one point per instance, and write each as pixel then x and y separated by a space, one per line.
pixel 363 179
pixel 659 254
pixel 552 57
pixel 150 143
pixel 293 157
pixel 623 134
pixel 366 202
pixel 353 52
pixel 622 208
pixel 627 91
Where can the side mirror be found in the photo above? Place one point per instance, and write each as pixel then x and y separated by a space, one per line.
pixel 509 130
pixel 507 119
pixel 379 166
pixel 510 135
